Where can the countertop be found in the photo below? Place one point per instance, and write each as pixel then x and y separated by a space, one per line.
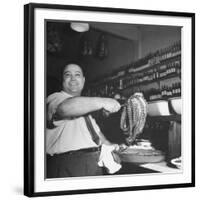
pixel 161 167
pixel 133 168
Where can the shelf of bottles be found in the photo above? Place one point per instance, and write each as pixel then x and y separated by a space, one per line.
pixel 165 92
pixel 153 68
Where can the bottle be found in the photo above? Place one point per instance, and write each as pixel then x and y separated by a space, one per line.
pixel 173 90
pixel 165 54
pixel 160 73
pixel 167 92
pixel 169 66
pixel 173 49
pixel 176 90
pixel 159 94
pixel 178 67
pixel 170 52
pixel 164 70
pixel 151 94
pixel 164 92
pixel 154 74
pixel 179 89
pixel 157 71
pixel 174 68
pixel 170 92
pixel 120 84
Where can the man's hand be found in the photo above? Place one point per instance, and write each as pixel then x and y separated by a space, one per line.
pixel 111 105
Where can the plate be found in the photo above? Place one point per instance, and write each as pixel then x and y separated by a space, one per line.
pixel 141 156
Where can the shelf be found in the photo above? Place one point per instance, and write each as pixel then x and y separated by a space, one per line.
pixel 138 70
pixel 165 118
pixel 153 81
pixel 163 99
pixel 127 74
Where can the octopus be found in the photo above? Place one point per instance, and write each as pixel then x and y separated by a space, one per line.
pixel 134 112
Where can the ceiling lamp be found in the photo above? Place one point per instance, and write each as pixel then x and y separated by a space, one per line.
pixel 80 27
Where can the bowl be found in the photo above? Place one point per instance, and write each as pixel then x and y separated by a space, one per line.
pixel 177 162
pixel 176 104
pixel 158 108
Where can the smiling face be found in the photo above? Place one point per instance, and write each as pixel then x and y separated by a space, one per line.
pixel 73 79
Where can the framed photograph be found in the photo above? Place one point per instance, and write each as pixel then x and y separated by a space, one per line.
pixel 108 99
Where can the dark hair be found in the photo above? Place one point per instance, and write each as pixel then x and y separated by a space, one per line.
pixel 68 63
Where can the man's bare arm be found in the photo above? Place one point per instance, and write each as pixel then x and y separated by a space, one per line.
pixel 78 106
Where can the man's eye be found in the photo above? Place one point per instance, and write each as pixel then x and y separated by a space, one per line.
pixel 67 75
pixel 78 75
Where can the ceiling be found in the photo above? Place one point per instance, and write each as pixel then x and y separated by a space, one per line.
pixel 132 32
pixel 126 31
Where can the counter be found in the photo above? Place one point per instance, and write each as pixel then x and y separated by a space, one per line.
pixel 161 167
pixel 131 168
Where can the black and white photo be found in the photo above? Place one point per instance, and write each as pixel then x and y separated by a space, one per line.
pixel 109 99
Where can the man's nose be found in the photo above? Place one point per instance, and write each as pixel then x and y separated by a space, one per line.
pixel 73 77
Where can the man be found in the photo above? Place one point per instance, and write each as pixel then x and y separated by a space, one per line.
pixel 70 145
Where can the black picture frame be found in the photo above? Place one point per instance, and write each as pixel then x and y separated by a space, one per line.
pixel 30 91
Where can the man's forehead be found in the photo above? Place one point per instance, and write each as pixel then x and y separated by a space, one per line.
pixel 72 67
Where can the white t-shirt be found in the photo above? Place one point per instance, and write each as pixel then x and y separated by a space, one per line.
pixel 68 134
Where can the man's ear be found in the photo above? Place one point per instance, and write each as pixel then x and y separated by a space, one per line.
pixel 84 80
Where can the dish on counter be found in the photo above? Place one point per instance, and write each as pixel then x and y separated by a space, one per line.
pixel 141 154
pixel 177 162
pixel 176 104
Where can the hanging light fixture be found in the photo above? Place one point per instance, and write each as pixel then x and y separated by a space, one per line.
pixel 79 27
pixel 86 47
pixel 102 47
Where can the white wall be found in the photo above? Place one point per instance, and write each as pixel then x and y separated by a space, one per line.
pixel 11 100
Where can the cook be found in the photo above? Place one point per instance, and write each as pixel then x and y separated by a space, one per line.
pixel 73 139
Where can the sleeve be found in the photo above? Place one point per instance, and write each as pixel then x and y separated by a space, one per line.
pixel 52 103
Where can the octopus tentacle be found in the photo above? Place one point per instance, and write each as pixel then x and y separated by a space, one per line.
pixel 136 112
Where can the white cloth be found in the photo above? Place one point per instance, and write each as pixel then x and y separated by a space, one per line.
pixel 106 159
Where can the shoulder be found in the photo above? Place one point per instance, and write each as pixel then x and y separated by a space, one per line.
pixel 53 96
pixel 57 96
